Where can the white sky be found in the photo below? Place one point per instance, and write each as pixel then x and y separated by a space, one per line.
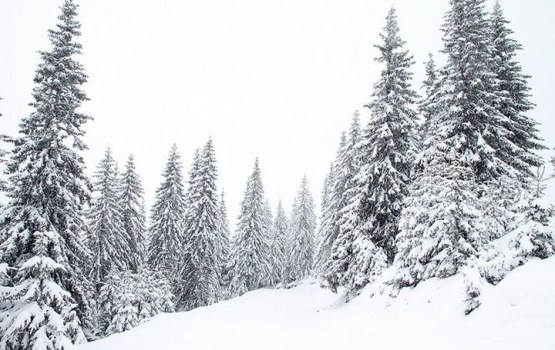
pixel 278 79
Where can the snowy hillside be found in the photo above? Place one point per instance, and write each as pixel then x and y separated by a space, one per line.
pixel 519 313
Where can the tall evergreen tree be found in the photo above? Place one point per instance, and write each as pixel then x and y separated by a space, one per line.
pixel 279 238
pixel 324 215
pixel 468 102
pixel 345 168
pixel 166 223
pixel 45 305
pixel 328 228
pixel 223 247
pixel 249 263
pixel 300 242
pixel 131 201
pixel 369 222
pixel 107 239
pixel 200 272
pixel 273 277
pixel 511 84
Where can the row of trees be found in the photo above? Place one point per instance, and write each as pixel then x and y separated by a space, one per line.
pixel 452 194
pixel 77 258
pixel 186 259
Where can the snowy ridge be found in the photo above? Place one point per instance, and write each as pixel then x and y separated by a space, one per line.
pixel 515 314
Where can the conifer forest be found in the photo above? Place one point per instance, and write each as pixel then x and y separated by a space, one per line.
pixel 432 227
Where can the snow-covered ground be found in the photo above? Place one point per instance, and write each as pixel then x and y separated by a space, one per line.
pixel 519 313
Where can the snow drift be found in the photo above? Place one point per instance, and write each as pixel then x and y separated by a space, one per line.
pixel 518 313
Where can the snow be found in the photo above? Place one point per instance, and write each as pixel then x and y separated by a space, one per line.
pixel 518 313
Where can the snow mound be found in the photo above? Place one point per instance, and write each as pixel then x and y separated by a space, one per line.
pixel 518 313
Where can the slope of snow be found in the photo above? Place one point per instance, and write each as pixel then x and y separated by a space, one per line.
pixel 519 313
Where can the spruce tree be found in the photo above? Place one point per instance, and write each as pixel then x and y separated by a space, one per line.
pixel 389 140
pixel 166 249
pixel 279 239
pixel 442 226
pixel 270 259
pixel 468 105
pixel 249 263
pixel 107 240
pixel 300 240
pixel 324 215
pixel 328 229
pixel 201 270
pixel 223 248
pixel 345 168
pixel 511 84
pixel 45 305
pixel 369 221
pixel 131 201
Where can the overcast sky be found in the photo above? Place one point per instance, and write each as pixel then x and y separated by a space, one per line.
pixel 276 79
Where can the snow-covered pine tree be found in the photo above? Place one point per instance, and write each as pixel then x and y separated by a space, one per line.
pixel 511 85
pixel 131 201
pixel 388 146
pixel 200 272
pixel 468 101
pixel 300 242
pixel 250 244
pixel 279 236
pixel 326 232
pixel 324 216
pixel 165 248
pixel 107 238
pixel 442 226
pixel 224 246
pixel 46 304
pixel 529 234
pixel 389 140
pixel 273 277
pixel 345 168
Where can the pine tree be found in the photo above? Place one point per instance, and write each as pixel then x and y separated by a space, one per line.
pixel 369 221
pixel 345 168
pixel 279 238
pixel 107 240
pixel 512 86
pixel 131 201
pixel 442 226
pixel 389 140
pixel 46 304
pixel 200 272
pixel 249 263
pixel 223 246
pixel 300 243
pixel 328 228
pixel 166 223
pixel 324 215
pixel 468 102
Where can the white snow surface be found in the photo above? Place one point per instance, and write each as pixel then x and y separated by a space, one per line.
pixel 518 313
